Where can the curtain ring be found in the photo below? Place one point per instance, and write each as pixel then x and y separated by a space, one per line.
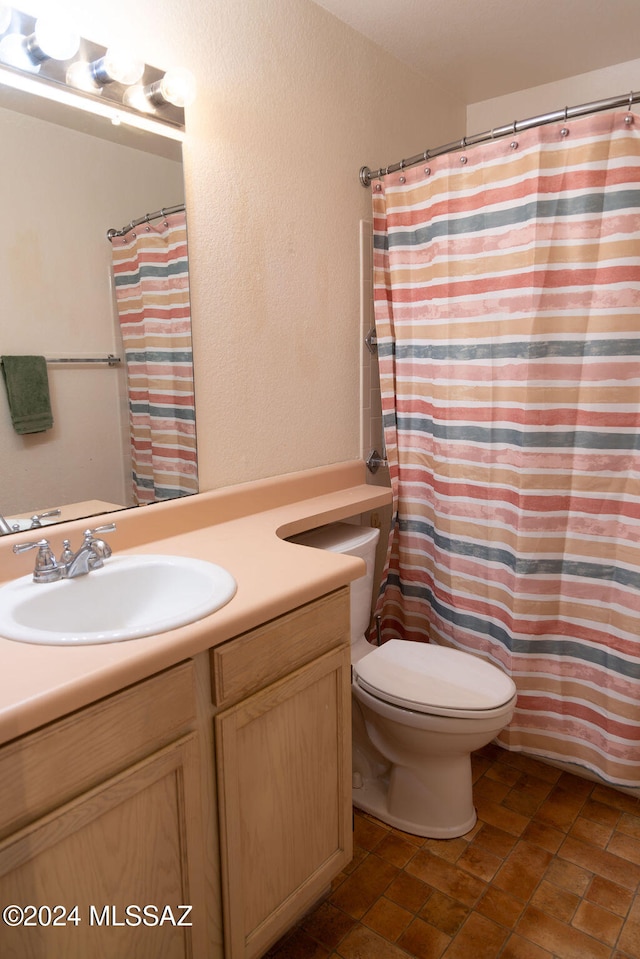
pixel 514 131
pixel 630 99
pixel 148 228
pixel 566 114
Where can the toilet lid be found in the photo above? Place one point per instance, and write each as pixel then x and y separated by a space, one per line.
pixel 427 678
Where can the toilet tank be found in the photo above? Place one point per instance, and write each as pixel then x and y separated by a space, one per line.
pixel 353 540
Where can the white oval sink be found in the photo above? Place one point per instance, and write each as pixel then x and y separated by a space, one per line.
pixel 131 596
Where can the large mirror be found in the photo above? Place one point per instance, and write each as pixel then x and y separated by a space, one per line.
pixel 66 178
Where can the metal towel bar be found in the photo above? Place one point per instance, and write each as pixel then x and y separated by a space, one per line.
pixel 110 359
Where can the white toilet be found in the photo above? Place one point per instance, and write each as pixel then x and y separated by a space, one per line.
pixel 419 710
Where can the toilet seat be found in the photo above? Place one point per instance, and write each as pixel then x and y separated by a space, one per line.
pixel 432 679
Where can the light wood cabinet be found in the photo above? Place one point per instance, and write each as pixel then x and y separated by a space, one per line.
pixel 83 870
pixel 41 771
pixel 284 775
pixel 221 784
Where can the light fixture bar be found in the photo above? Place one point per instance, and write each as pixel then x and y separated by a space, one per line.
pixel 113 100
pixel 110 111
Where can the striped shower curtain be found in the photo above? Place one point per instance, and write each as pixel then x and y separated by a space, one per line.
pixel 151 276
pixel 507 300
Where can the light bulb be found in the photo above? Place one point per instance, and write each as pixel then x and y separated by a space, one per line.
pixel 53 39
pixel 5 17
pixel 13 51
pixel 136 98
pixel 80 76
pixel 178 86
pixel 118 65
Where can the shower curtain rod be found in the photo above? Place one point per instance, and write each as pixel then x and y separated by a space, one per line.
pixel 567 113
pixel 166 211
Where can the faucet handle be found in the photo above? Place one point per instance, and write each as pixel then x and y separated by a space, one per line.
pixel 101 549
pixel 23 547
pixel 107 528
pixel 46 569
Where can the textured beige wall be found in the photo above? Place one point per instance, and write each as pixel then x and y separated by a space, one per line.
pixel 290 104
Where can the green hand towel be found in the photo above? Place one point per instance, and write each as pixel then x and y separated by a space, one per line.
pixel 27 386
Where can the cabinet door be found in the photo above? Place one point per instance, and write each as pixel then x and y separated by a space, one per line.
pixel 131 842
pixel 284 781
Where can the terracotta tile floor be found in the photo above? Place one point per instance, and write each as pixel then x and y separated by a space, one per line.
pixel 550 871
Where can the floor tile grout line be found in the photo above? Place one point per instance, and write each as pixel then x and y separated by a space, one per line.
pixel 523 773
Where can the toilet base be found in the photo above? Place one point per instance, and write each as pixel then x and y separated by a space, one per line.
pixel 426 785
pixel 372 797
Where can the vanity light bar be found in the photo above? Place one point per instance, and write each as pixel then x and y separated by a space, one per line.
pixel 84 81
pixel 35 85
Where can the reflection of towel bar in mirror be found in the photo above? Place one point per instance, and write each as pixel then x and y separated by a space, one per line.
pixel 110 360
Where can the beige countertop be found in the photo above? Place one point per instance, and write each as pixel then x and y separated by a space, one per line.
pixel 243 529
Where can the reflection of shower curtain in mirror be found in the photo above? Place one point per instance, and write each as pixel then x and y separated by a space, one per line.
pixel 150 269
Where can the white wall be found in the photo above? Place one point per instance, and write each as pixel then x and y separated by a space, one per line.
pixel 586 88
pixel 291 103
pixel 62 190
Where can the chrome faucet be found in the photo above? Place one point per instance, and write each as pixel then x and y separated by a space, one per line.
pixel 90 556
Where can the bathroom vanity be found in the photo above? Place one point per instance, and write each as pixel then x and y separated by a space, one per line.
pixel 206 768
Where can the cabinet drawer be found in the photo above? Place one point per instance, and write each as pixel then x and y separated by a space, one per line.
pixel 44 769
pixel 254 659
